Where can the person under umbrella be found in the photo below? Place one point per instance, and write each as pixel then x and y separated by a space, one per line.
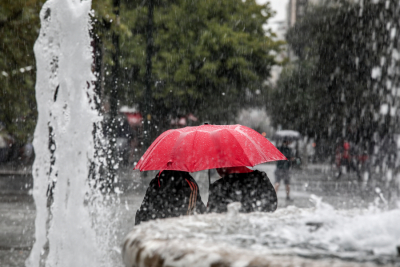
pixel 193 149
pixel 170 194
pixel 252 189
pixel 282 171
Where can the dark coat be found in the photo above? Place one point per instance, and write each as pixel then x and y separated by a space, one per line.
pixel 171 194
pixel 284 164
pixel 254 190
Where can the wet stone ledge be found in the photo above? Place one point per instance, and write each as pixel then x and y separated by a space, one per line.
pixel 222 240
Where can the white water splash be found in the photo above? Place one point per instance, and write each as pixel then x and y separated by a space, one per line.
pixel 360 235
pixel 64 235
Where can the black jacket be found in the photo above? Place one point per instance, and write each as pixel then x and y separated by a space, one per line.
pixel 171 194
pixel 254 190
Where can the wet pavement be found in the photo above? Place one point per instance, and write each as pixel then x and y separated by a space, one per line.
pixel 17 209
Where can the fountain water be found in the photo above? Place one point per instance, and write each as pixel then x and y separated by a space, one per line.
pixel 287 237
pixel 65 234
pixel 76 230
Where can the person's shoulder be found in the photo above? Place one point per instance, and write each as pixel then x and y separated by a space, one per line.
pixel 254 172
pixel 175 175
pixel 154 185
pixel 188 177
pixel 154 181
pixel 182 174
pixel 259 174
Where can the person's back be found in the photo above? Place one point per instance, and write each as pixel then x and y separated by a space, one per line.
pixel 287 152
pixel 170 194
pixel 282 168
pixel 253 190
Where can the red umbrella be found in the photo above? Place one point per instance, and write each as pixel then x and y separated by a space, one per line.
pixel 204 147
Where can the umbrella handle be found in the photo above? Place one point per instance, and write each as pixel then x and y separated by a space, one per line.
pixel 209 178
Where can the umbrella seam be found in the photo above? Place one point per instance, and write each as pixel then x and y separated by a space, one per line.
pixel 172 154
pixel 155 145
pixel 195 135
pixel 258 149
pixel 244 151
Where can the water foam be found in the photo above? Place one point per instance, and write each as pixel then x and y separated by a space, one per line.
pixel 360 235
pixel 66 234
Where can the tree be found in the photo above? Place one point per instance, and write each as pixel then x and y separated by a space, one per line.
pixel 294 101
pixel 345 72
pixel 19 27
pixel 209 57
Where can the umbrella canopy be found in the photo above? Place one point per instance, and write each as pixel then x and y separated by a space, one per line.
pixel 204 147
pixel 287 134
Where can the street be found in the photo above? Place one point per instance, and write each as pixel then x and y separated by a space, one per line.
pixel 17 209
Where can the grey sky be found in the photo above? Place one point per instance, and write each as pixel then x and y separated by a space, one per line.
pixel 279 6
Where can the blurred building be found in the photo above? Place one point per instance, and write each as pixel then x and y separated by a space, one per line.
pixel 280 29
pixel 296 10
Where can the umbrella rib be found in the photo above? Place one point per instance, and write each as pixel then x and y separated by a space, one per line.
pixel 155 145
pixel 194 139
pixel 244 151
pixel 178 142
pixel 255 145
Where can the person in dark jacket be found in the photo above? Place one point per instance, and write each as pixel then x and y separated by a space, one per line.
pixel 282 171
pixel 252 189
pixel 170 194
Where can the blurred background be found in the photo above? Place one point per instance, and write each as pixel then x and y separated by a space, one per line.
pixel 327 71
